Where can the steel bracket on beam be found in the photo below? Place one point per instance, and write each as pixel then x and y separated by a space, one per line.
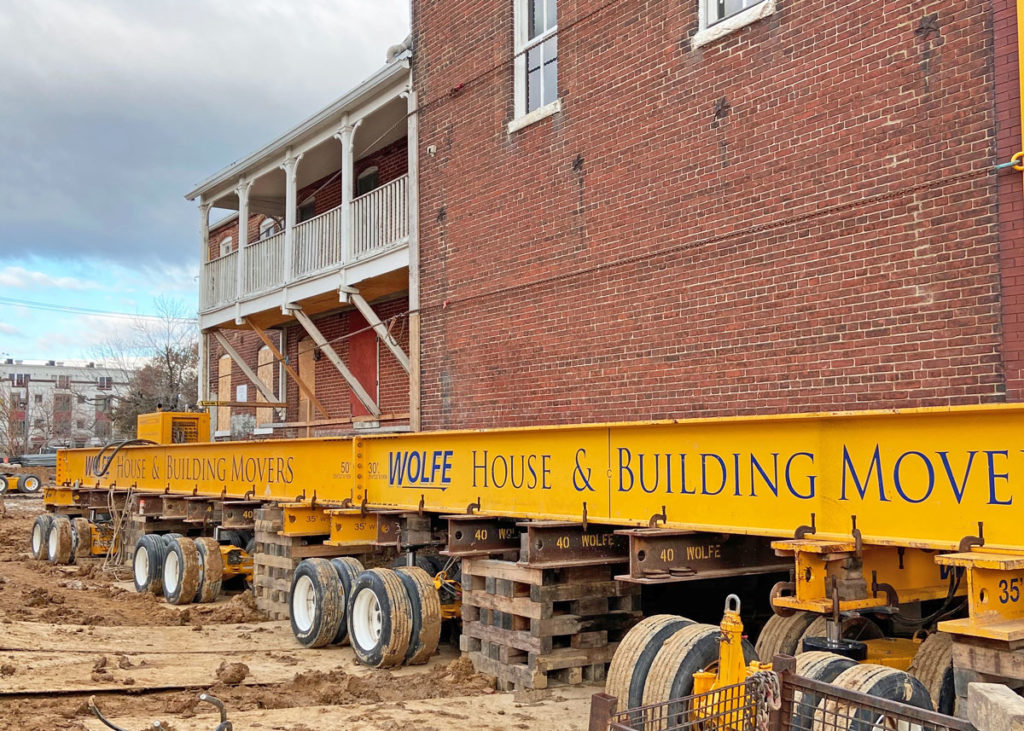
pixel 659 555
pixel 351 527
pixel 305 519
pixel 239 514
pixel 476 536
pixel 556 544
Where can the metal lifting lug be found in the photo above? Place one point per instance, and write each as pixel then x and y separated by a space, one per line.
pixel 661 517
pixel 472 508
pixel 584 517
pixel 968 542
pixel 805 530
pixel 419 510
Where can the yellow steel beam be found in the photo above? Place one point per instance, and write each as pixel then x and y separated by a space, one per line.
pixel 922 478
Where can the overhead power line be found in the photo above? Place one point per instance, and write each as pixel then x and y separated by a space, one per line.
pixel 53 307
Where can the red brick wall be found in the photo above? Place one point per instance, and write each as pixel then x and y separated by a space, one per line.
pixel 392 162
pixel 1011 193
pixel 828 240
pixel 331 389
pixel 231 229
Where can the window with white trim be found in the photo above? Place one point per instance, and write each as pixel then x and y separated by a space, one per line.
pixel 536 55
pixel 225 245
pixel 268 228
pixel 718 10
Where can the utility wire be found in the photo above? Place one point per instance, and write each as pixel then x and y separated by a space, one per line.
pixel 53 307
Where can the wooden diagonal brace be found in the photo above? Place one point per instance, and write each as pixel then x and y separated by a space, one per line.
pixel 357 388
pixel 269 395
pixel 382 332
pixel 291 371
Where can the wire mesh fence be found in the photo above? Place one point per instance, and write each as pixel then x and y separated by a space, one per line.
pixel 810 705
pixel 737 706
pixel 776 700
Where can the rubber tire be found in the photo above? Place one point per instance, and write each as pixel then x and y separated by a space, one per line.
pixel 234 538
pixel 425 611
pixel 689 650
pixel 348 570
pixel 40 537
pixel 59 542
pixel 211 570
pixel 877 681
pixel 391 645
pixel 183 554
pixel 822 666
pixel 250 548
pixel 30 484
pixel 316 575
pixel 634 655
pixel 783 635
pixel 858 628
pixel 5 484
pixel 933 666
pixel 168 539
pixel 424 562
pixel 81 538
pixel 156 551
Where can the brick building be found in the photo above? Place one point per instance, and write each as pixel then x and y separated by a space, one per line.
pixel 676 208
pixel 306 308
pixel 635 210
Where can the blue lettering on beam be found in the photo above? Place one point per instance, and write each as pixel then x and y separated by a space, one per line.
pixel 875 466
pixel 420 470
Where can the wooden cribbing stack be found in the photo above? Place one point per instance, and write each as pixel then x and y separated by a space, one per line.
pixel 275 561
pixel 534 627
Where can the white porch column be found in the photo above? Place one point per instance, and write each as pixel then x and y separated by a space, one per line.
pixel 347 135
pixel 204 253
pixel 243 232
pixel 291 169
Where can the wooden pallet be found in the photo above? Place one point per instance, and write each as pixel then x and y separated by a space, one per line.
pixel 531 628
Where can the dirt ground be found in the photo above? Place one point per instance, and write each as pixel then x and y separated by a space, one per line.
pixel 68 633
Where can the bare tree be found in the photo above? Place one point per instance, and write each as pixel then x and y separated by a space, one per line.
pixel 159 358
pixel 12 423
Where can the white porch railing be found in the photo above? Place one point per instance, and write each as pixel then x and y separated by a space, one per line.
pixel 219 278
pixel 317 243
pixel 264 263
pixel 380 217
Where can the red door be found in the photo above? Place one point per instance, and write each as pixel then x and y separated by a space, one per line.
pixel 362 360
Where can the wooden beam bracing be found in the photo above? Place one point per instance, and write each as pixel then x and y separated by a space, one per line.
pixel 287 366
pixel 357 388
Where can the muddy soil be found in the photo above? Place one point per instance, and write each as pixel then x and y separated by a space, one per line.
pixel 61 599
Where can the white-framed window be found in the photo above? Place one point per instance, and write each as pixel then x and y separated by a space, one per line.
pixel 225 245
pixel 268 228
pixel 105 383
pixel 719 18
pixel 719 10
pixel 368 180
pixel 536 49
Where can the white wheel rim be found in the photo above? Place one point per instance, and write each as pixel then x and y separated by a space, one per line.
pixel 31 483
pixel 367 620
pixel 3 484
pixel 304 603
pixel 171 565
pixel 37 539
pixel 53 542
pixel 142 567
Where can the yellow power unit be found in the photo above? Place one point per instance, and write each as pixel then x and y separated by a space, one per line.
pixel 174 427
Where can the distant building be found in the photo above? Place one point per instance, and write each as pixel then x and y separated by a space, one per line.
pixel 52 403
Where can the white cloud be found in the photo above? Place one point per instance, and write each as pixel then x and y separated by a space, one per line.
pixel 21 278
pixel 8 329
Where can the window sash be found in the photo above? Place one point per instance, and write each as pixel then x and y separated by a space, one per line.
pixel 719 10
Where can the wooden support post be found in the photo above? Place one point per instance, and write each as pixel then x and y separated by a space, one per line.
pixel 378 327
pixel 269 395
pixel 357 388
pixel 291 371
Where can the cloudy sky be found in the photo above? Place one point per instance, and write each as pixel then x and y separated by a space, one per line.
pixel 111 110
